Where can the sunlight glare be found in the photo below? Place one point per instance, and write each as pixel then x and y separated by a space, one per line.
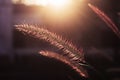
pixel 58 3
pixel 41 2
pixel 52 3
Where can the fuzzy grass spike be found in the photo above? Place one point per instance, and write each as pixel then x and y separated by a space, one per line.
pixel 70 52
pixel 106 19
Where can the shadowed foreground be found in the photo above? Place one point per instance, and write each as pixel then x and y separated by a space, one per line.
pixel 37 67
pixel 34 67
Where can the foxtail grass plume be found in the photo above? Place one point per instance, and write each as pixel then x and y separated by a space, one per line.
pixel 75 66
pixel 70 53
pixel 106 19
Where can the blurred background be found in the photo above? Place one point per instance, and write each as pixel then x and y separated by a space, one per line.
pixel 72 19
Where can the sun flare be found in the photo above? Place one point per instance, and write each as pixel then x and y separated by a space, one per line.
pixel 53 3
pixel 58 3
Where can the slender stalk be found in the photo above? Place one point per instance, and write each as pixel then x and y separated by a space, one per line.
pixel 106 19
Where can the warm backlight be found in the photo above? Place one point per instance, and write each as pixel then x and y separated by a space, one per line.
pixel 58 3
pixel 36 2
pixel 53 3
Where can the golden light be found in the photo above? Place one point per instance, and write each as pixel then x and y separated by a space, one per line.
pixel 58 3
pixel 45 3
pixel 41 2
pixel 36 2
